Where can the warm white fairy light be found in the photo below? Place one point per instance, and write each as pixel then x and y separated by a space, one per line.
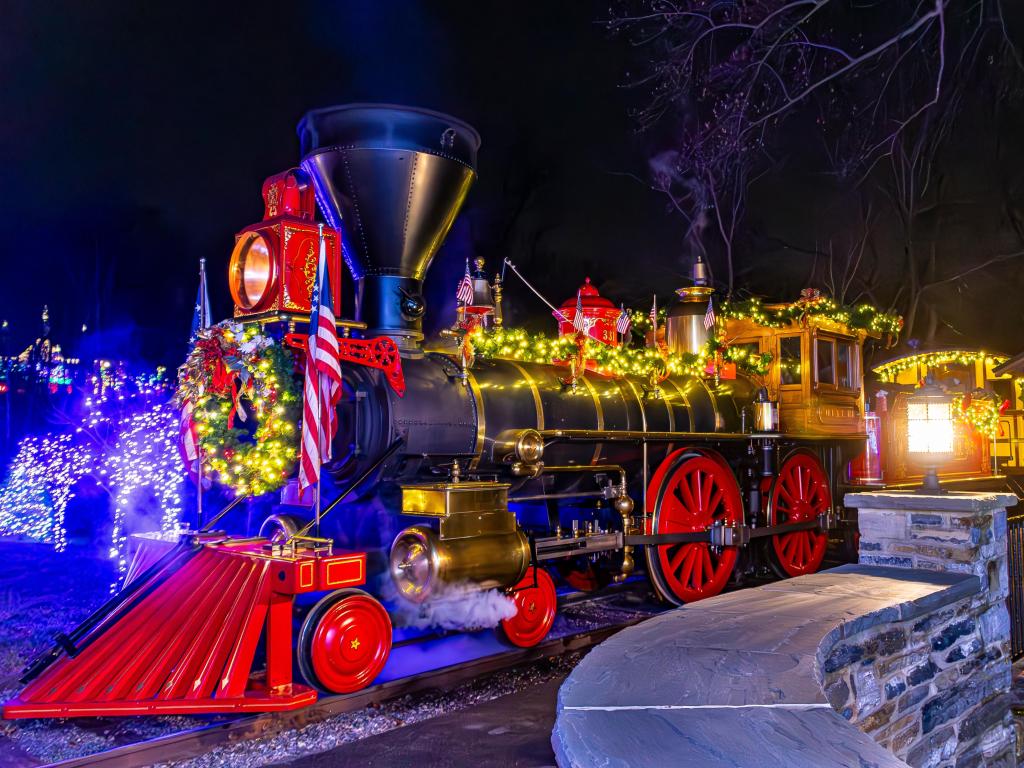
pixel 40 484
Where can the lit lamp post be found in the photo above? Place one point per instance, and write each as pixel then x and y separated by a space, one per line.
pixel 930 432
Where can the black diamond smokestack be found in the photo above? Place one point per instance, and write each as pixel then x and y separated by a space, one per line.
pixel 393 178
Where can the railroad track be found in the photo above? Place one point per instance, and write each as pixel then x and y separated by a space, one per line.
pixel 197 741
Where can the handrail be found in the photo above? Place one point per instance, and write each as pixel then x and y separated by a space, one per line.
pixel 231 505
pixel 388 453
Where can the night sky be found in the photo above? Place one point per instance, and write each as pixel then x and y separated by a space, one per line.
pixel 134 138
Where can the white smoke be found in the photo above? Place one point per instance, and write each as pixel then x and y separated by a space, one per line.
pixel 456 606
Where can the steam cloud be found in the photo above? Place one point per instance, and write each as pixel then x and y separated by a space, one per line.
pixel 456 606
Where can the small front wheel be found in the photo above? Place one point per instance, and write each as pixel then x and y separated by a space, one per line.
pixel 536 606
pixel 344 642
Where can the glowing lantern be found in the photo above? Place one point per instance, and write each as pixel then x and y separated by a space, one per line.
pixel 930 432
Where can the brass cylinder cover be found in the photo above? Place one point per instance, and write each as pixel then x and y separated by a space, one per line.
pixel 423 563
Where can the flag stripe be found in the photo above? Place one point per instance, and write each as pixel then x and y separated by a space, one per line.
pixel 321 386
pixel 709 317
pixel 464 294
pixel 578 321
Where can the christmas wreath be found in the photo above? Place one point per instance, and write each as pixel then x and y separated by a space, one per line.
pixel 243 395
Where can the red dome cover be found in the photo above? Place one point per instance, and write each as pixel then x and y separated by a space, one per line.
pixel 590 298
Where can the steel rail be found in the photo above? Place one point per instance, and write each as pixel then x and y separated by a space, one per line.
pixel 197 741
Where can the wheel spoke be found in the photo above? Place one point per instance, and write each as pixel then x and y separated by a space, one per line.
pixel 784 492
pixel 788 542
pixel 715 502
pixel 673 507
pixel 709 569
pixel 696 493
pixel 677 559
pixel 709 486
pixel 698 567
pixel 684 575
pixel 684 492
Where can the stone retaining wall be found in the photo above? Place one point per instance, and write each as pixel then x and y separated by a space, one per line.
pixel 933 690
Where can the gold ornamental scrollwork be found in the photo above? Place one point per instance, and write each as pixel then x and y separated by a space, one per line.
pixel 273 200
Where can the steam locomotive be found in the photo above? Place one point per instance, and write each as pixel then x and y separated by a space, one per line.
pixel 506 468
pixel 497 474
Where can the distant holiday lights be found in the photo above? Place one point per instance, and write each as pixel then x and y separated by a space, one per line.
pixel 127 456
pixel 39 486
pixel 889 371
pixel 145 458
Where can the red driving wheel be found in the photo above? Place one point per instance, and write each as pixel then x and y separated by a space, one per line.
pixel 690 492
pixel 344 642
pixel 535 609
pixel 800 493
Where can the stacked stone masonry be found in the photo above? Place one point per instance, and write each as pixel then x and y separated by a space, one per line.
pixel 935 691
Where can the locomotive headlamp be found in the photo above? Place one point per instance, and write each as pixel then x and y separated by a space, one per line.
pixel 930 432
pixel 274 261
pixel 252 271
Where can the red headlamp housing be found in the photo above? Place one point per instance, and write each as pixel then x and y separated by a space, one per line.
pixel 273 264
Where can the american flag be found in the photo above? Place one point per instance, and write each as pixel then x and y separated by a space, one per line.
pixel 654 313
pixel 321 389
pixel 201 314
pixel 187 436
pixel 465 293
pixel 623 322
pixel 578 320
pixel 709 317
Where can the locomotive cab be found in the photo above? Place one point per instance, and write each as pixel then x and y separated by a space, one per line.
pixel 816 376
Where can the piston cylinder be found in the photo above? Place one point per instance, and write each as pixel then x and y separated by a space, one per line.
pixel 478 543
pixel 423 564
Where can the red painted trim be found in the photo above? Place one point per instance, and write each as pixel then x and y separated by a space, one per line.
pixel 300 696
pixel 279 642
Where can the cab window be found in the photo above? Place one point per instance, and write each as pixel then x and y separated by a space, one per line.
pixel 825 362
pixel 844 365
pixel 790 367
